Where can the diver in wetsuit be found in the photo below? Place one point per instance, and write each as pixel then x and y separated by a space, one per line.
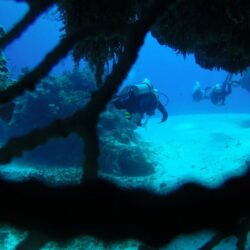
pixel 199 94
pixel 140 99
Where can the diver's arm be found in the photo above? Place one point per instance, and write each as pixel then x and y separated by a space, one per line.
pixel 226 88
pixel 229 78
pixel 229 89
pixel 120 101
pixel 163 111
pixel 206 92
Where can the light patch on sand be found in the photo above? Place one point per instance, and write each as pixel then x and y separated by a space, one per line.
pixel 206 149
pixel 185 126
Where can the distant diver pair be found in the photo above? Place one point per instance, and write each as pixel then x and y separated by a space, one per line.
pixel 216 93
pixel 140 99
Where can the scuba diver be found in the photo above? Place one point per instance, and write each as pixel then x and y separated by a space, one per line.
pixel 217 93
pixel 140 99
pixel 199 93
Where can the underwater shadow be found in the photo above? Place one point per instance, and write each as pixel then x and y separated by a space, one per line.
pixel 244 124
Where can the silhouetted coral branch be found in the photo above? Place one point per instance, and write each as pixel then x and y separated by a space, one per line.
pixel 213 242
pixel 240 232
pixel 36 8
pixel 29 81
pixel 101 97
pixel 91 153
pixel 108 212
pixel 33 241
pixel 243 229
pixel 16 146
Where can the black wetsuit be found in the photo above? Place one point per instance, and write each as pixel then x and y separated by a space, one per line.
pixel 139 104
pixel 218 97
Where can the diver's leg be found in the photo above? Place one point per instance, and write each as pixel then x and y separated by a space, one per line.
pixel 229 89
pixel 229 77
pixel 224 87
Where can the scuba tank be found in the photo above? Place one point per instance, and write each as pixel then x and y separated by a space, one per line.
pixel 144 88
pixel 141 89
pixel 217 88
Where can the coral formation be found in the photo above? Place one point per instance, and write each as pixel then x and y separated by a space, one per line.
pixel 53 98
pixel 121 152
pixel 61 96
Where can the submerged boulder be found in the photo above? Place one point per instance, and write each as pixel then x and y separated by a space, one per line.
pixel 214 31
pixel 122 153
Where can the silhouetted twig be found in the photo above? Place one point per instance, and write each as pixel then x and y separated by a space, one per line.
pixel 108 212
pixel 36 8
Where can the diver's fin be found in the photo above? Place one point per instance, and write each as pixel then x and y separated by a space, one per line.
pixel 6 111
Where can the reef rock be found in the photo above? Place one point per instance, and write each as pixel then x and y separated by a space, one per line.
pixel 216 32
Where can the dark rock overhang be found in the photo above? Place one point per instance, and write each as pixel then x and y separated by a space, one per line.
pixel 216 32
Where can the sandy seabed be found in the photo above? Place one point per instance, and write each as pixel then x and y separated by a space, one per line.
pixel 206 148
